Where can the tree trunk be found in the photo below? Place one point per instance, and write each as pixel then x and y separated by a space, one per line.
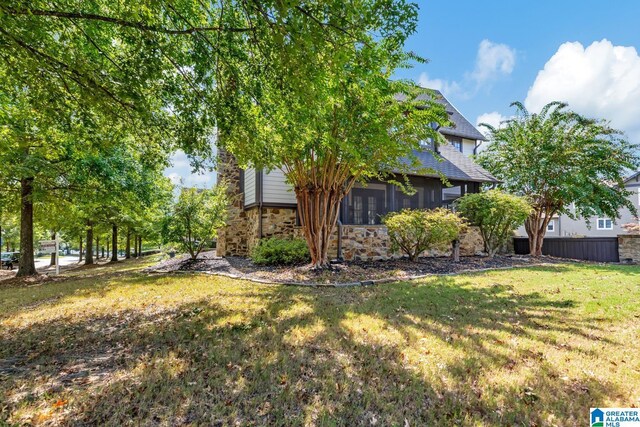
pixel 318 209
pixel 135 246
pixel 97 248
pixel 536 227
pixel 53 255
pixel 139 246
pixel 114 243
pixel 88 258
pixel 27 262
pixel 127 254
pixel 80 257
pixel 455 251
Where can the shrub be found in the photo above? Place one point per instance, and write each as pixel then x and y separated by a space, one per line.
pixel 415 230
pixel 274 251
pixel 496 213
pixel 196 216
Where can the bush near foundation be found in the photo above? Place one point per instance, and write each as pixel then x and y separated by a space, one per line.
pixel 496 213
pixel 275 251
pixel 414 231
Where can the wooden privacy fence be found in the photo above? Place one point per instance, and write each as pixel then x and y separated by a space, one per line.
pixel 602 249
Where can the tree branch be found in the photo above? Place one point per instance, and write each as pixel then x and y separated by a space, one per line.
pixel 139 25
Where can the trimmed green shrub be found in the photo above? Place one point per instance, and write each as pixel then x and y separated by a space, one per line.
pixel 496 213
pixel 275 251
pixel 413 231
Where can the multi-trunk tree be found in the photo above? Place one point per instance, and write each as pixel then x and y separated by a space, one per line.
pixel 340 118
pixel 177 69
pixel 557 159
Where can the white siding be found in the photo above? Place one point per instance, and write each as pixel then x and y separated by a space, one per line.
pixel 249 186
pixel 467 146
pixel 275 189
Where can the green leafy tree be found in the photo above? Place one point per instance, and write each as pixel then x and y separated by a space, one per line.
pixel 9 224
pixel 496 213
pixel 342 120
pixel 557 158
pixel 196 216
pixel 177 69
pixel 413 231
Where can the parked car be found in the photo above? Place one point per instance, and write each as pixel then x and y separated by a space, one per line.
pixel 9 259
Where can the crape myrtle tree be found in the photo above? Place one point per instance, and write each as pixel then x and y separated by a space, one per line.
pixel 342 120
pixel 174 67
pixel 557 158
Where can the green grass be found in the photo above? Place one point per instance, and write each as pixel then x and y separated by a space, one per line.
pixel 113 346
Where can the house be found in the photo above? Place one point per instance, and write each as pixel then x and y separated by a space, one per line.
pixel 264 205
pixel 596 226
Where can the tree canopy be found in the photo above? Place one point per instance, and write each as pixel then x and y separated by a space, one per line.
pixel 169 73
pixel 557 159
pixel 341 118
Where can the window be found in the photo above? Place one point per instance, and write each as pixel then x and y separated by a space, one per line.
pixel 604 224
pixel 449 194
pixel 366 205
pixel 457 145
pixel 357 209
pixel 551 227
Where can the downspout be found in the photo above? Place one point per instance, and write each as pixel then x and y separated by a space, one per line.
pixel 559 225
pixel 476 146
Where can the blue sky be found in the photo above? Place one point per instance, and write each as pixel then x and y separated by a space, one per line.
pixel 484 55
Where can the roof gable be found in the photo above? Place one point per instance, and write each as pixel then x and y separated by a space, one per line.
pixel 461 126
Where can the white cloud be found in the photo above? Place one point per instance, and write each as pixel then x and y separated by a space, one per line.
pixel 493 118
pixel 444 86
pixel 180 172
pixel 493 60
pixel 601 81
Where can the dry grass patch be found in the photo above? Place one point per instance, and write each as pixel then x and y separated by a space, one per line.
pixel 535 346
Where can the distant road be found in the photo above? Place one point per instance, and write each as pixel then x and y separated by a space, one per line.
pixel 43 262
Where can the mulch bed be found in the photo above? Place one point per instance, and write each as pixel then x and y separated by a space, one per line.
pixel 351 273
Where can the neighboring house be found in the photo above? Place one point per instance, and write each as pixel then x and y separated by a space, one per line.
pixel 265 205
pixel 597 226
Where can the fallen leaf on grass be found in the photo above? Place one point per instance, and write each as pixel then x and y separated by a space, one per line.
pixel 59 403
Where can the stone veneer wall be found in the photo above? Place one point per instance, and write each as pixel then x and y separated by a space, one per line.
pixel 276 222
pixel 359 242
pixel 371 242
pixel 629 247
pixel 242 232
pixel 233 238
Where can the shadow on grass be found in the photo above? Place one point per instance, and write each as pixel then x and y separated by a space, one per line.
pixel 297 356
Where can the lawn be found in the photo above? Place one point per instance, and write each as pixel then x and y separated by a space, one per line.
pixel 114 346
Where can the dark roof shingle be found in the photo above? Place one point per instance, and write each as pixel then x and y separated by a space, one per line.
pixel 461 126
pixel 454 165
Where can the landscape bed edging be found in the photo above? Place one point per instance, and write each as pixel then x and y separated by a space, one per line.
pixel 352 284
